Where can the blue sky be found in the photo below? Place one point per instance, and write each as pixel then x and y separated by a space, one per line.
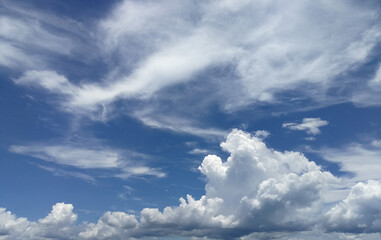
pixel 190 119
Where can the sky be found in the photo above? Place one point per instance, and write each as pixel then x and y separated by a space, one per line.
pixel 216 119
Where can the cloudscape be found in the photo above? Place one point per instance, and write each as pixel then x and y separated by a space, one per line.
pixel 216 119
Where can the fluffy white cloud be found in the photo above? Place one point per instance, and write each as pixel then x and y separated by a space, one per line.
pixel 255 179
pixel 10 225
pixel 57 225
pixel 310 125
pixel 359 212
pixel 112 225
pixel 257 192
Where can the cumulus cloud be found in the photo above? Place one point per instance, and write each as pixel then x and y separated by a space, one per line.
pixel 359 212
pixel 310 125
pixel 112 225
pixel 10 225
pixel 257 192
pixel 255 189
pixel 57 225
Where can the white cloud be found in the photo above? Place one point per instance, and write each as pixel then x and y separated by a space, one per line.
pixel 256 193
pixel 61 172
pixel 176 124
pixel 262 134
pixel 359 212
pixel 59 84
pixel 49 80
pixel 57 225
pixel 376 81
pixel 140 171
pixel 112 225
pixel 310 125
pixel 199 151
pixel 72 156
pixel 360 160
pixel 30 32
pixel 32 39
pixel 256 189
pixel 13 57
pixel 10 225
pixel 285 47
pixel 95 157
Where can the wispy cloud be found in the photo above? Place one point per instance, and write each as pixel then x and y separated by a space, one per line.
pixel 177 124
pixel 310 125
pixel 267 60
pixel 362 160
pixel 72 156
pixel 61 172
pixel 32 39
pixel 115 163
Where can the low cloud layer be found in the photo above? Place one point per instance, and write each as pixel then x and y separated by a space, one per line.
pixel 256 190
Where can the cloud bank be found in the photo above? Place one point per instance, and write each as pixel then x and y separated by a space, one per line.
pixel 255 190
